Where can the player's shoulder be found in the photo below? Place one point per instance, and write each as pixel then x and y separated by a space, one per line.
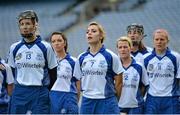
pixel 111 52
pixel 147 55
pixel 46 44
pixel 15 44
pixel 73 58
pixel 83 54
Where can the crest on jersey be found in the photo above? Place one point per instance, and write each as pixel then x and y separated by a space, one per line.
pixel 18 56
pixel 68 69
pixel 135 77
pixel 83 64
pixel 39 56
pixel 102 64
pixel 169 68
pixel 150 67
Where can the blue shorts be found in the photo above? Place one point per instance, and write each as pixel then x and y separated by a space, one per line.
pixel 33 99
pixel 3 108
pixel 63 103
pixel 136 110
pixel 99 106
pixel 161 105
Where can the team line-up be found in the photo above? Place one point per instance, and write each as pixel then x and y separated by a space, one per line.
pixel 43 78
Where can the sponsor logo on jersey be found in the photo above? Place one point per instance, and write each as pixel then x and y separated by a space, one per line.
pixel 91 72
pixel 18 56
pixel 160 75
pixel 129 85
pixel 28 65
pixel 64 76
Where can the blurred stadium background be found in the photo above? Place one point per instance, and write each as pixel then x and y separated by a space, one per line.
pixel 73 16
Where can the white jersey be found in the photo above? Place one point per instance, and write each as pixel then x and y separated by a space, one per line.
pixel 139 55
pixel 6 77
pixel 32 61
pixel 65 81
pixel 133 77
pixel 97 73
pixel 163 73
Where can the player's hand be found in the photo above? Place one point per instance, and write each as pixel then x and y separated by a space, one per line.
pixel 2 67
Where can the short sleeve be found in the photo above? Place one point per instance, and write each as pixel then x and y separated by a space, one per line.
pixel 144 76
pixel 51 57
pixel 10 78
pixel 117 65
pixel 178 66
pixel 77 70
pixel 11 62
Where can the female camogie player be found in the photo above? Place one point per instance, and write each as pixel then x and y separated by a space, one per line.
pixel 100 72
pixel 64 93
pixel 34 66
pixel 162 66
pixel 6 86
pixel 134 79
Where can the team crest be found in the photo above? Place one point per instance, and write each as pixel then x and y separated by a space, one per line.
pixel 18 56
pixel 169 68
pixel 68 69
pixel 102 64
pixel 83 64
pixel 39 56
pixel 135 78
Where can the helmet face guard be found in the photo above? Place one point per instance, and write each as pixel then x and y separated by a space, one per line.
pixel 28 14
pixel 137 27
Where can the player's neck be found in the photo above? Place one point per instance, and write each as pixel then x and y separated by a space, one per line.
pixel 61 54
pixel 160 52
pixel 30 39
pixel 94 48
pixel 135 48
pixel 126 61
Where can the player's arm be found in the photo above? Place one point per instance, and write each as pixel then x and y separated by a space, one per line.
pixel 2 67
pixel 78 84
pixel 10 88
pixel 118 85
pixel 52 77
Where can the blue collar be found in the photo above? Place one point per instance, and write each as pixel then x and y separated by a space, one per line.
pixel 38 38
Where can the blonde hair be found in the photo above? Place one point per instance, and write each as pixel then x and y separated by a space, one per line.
pixel 100 28
pixel 124 38
pixel 162 31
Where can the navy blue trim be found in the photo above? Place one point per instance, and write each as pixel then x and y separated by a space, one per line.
pixel 141 52
pixel 18 46
pixel 73 79
pixel 109 87
pixel 43 49
pixel 147 59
